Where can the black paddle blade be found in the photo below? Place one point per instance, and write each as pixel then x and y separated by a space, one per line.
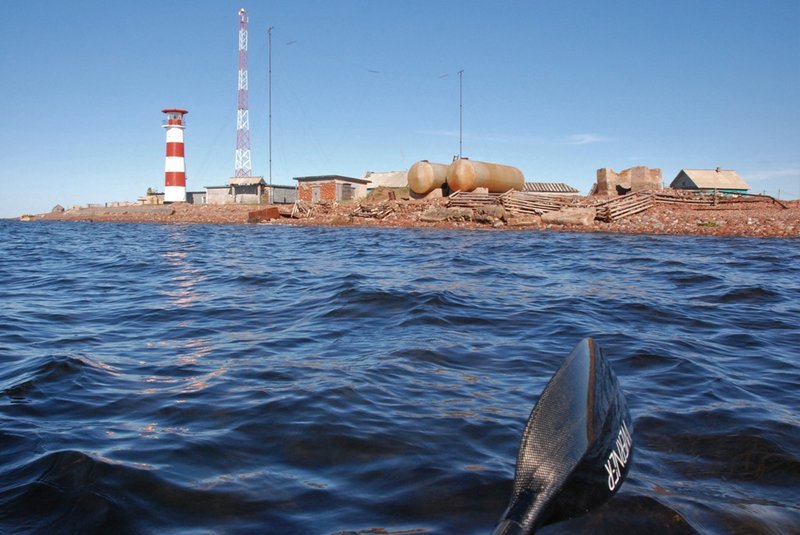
pixel 576 448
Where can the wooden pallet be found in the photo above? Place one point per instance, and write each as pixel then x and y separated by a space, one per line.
pixel 625 206
pixel 472 199
pixel 521 202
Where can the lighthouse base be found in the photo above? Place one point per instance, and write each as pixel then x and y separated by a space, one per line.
pixel 175 194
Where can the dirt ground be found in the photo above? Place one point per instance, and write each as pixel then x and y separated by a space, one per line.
pixel 755 218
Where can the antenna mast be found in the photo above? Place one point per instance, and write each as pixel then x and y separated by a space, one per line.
pixel 243 164
pixel 269 32
pixel 460 110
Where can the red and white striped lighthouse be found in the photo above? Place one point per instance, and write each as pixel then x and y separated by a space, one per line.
pixel 174 166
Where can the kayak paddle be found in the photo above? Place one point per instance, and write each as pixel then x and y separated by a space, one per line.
pixel 576 448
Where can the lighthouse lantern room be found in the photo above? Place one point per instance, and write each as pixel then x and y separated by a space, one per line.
pixel 174 166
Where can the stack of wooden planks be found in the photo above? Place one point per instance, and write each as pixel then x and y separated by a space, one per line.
pixel 472 199
pixel 521 202
pixel 625 206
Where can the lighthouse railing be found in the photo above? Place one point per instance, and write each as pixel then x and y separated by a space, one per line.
pixel 173 122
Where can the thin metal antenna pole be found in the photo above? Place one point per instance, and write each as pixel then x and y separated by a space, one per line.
pixel 460 111
pixel 269 33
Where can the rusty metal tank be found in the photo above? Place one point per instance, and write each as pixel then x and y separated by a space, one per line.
pixel 466 175
pixel 424 176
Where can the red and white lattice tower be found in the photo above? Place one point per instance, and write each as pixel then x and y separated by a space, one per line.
pixel 243 165
pixel 174 166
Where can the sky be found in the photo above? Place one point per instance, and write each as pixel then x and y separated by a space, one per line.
pixel 555 88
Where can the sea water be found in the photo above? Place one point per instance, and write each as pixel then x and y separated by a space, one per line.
pixel 273 379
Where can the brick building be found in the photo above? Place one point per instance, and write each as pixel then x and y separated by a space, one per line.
pixel 330 188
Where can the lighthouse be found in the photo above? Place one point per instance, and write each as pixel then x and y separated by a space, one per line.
pixel 174 166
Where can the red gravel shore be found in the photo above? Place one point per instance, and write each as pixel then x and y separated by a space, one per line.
pixel 760 218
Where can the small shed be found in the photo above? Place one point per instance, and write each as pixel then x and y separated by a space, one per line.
pixel 283 194
pixel 248 190
pixel 218 194
pixel 550 188
pixel 196 197
pixel 710 180
pixel 330 188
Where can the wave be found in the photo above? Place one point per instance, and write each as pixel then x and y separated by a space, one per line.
pixel 294 380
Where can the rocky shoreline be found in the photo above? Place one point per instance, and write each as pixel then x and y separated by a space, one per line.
pixel 756 217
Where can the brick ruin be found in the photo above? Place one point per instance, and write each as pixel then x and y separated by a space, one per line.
pixel 635 179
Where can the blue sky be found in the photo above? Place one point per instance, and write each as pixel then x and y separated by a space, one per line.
pixel 558 89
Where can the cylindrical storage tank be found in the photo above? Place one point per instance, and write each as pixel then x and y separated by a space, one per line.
pixel 466 175
pixel 424 176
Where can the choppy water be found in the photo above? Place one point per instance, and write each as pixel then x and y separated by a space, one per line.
pixel 257 379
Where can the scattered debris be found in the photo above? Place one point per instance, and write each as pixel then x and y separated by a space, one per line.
pixel 380 212
pixel 301 209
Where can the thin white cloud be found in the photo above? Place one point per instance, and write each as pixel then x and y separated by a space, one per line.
pixel 575 139
pixel 587 139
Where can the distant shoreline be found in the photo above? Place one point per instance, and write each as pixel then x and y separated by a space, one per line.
pixel 751 219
